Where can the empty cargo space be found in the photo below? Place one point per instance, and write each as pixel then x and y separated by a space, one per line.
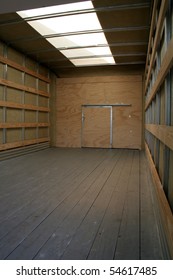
pixel 79 204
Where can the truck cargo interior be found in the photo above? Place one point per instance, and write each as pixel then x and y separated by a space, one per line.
pixel 86 130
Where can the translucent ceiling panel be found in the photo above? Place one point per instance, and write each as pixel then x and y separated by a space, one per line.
pixel 60 27
pixel 93 61
pixel 87 52
pixel 56 9
pixel 94 39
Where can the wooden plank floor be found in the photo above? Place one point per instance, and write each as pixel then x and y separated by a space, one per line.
pixel 78 204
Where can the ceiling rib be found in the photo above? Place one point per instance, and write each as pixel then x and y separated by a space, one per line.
pixel 141 62
pixel 96 56
pixel 121 44
pixel 114 29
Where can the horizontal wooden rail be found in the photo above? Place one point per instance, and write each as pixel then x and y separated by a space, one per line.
pixel 23 69
pixel 22 87
pixel 164 208
pixel 165 67
pixel 23 143
pixel 20 125
pixel 153 20
pixel 163 133
pixel 163 9
pixel 23 106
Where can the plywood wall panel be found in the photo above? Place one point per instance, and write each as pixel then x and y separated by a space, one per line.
pixel 43 117
pixel 43 132
pixel 30 116
pixel 30 98
pixel 42 85
pixel 1 114
pixel 14 75
pixel 30 81
pixel 126 128
pixel 72 93
pixel 15 56
pixel 13 135
pixel 13 95
pixel 30 133
pixel 13 115
pixel 1 136
pixel 1 92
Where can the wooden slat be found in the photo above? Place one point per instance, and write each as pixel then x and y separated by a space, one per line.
pixel 165 67
pixel 128 239
pixel 163 133
pixel 162 13
pixel 23 106
pixel 104 245
pixel 21 87
pixel 22 143
pixel 164 208
pixel 19 125
pixel 153 20
pixel 23 69
pixel 149 238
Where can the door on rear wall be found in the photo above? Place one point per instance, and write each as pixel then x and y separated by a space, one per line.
pixel 97 126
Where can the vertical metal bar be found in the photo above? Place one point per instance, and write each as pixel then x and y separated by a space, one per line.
pixel 111 127
pixel 37 103
pixel 23 98
pixel 48 113
pixel 4 136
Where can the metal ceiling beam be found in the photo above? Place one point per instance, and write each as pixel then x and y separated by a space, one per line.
pixel 114 29
pixel 94 56
pixel 140 62
pixel 120 44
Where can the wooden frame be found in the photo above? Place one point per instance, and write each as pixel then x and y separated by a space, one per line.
pixel 163 133
pixel 23 143
pixel 163 9
pixel 24 88
pixel 165 212
pixel 23 106
pixel 23 69
pixel 20 125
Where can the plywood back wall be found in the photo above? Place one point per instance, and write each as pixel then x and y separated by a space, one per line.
pixel 72 93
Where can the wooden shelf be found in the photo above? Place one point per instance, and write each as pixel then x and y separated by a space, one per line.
pixel 23 69
pixel 23 143
pixel 22 87
pixel 23 106
pixel 20 125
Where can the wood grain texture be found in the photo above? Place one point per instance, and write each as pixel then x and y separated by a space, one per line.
pixel 23 143
pixel 96 127
pixel 164 208
pixel 23 69
pixel 72 93
pixel 163 132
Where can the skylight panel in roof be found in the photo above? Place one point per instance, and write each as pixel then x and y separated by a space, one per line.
pixel 87 52
pixel 93 61
pixel 65 27
pixel 82 40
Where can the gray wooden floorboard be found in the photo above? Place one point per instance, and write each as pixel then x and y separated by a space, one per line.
pixel 77 204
